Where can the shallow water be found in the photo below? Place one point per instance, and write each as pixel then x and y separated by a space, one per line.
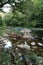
pixel 37 39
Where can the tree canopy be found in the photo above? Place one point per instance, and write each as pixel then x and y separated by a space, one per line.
pixel 24 13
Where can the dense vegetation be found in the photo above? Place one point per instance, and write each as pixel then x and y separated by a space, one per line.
pixel 25 57
pixel 24 13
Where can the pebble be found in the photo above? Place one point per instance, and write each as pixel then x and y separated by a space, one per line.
pixel 33 43
pixel 40 44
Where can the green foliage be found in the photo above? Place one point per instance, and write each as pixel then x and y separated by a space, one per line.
pixel 27 56
pixel 34 23
pixel 1 21
pixel 7 17
pixel 31 57
pixel 28 13
pixel 34 58
pixel 5 58
pixel 38 8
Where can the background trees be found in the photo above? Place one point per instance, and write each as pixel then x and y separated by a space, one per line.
pixel 26 13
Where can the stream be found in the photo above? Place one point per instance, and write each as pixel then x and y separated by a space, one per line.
pixel 34 40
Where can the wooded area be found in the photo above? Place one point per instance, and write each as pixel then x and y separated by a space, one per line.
pixel 23 13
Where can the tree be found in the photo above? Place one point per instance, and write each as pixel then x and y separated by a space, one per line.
pixel 25 12
pixel 38 14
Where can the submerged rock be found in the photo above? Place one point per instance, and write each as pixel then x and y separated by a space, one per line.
pixel 26 46
pixel 27 34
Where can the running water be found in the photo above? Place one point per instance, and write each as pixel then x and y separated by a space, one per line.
pixel 7 43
